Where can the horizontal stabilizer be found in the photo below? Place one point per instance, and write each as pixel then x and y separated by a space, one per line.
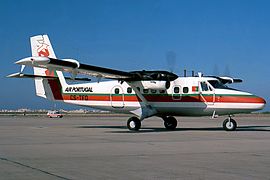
pixel 21 75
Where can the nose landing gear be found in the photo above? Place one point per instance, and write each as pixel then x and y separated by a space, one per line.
pixel 229 124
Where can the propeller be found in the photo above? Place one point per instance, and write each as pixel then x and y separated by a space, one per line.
pixel 227 71
pixel 171 60
pixel 216 71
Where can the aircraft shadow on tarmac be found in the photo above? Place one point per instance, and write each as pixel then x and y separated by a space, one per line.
pixel 149 129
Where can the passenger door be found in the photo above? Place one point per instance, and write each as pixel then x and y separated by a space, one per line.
pixel 117 97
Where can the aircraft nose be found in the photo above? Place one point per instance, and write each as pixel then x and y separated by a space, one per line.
pixel 260 103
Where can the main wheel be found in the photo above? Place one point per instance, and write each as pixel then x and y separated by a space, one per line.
pixel 170 123
pixel 229 125
pixel 133 124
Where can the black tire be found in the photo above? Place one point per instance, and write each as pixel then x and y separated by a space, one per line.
pixel 133 124
pixel 170 123
pixel 229 125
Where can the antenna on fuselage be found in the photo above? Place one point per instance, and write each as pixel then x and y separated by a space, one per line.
pixel 186 73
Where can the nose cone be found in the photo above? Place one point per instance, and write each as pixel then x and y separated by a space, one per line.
pixel 260 103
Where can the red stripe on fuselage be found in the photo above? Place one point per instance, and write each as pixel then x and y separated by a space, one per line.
pixel 156 98
pixel 239 99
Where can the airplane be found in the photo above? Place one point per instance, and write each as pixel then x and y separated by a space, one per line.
pixel 141 93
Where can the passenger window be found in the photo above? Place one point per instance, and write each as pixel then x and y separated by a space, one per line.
pixel 153 91
pixel 116 90
pixel 176 90
pixel 129 90
pixel 204 86
pixel 161 91
pixel 185 90
pixel 145 91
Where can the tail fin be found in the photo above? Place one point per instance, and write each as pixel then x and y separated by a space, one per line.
pixel 46 88
pixel 41 46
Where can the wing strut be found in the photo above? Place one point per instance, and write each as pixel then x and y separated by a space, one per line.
pixel 146 110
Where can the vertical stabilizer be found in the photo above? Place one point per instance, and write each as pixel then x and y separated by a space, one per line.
pixel 41 46
pixel 46 88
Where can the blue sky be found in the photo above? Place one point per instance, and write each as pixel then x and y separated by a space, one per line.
pixel 208 36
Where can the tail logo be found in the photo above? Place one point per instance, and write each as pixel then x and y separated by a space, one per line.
pixel 42 48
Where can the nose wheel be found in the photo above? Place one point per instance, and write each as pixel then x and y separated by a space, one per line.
pixel 229 124
pixel 170 123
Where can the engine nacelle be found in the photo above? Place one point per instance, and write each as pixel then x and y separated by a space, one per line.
pixel 156 85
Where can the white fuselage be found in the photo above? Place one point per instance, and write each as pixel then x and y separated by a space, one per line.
pixel 186 96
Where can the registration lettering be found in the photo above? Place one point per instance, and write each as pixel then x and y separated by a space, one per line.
pixel 79 97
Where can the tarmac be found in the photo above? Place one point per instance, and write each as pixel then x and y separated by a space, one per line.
pixel 101 147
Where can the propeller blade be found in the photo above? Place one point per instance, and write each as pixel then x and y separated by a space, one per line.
pixel 171 60
pixel 216 70
pixel 227 71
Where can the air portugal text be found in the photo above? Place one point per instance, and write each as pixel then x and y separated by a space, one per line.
pixel 78 89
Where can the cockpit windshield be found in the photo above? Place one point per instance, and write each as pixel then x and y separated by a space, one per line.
pixel 217 84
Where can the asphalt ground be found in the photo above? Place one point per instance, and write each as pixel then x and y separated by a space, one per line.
pixel 101 147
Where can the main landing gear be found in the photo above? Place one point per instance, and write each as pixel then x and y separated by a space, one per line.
pixel 134 123
pixel 170 123
pixel 229 124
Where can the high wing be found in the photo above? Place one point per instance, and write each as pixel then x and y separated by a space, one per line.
pixel 74 67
